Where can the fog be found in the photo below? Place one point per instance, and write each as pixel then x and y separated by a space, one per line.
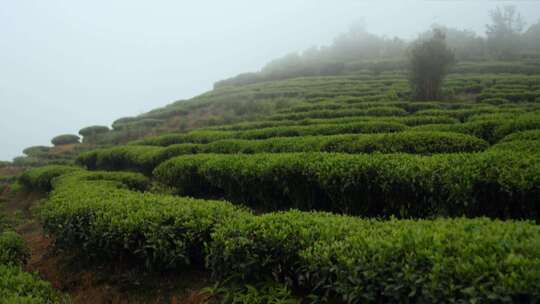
pixel 69 64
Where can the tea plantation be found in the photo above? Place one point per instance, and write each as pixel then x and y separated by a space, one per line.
pixel 339 188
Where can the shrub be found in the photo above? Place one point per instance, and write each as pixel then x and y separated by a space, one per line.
pixel 13 250
pixel 17 286
pixel 145 158
pixel 344 259
pixel 484 184
pixel 495 100
pixel 65 139
pixel 36 151
pixel 523 135
pixel 323 129
pixel 93 130
pixel 407 142
pixel 27 161
pixel 375 111
pixel 191 137
pixel 529 146
pixel 521 123
pixel 108 221
pixel 91 133
pixel 41 178
pixel 334 258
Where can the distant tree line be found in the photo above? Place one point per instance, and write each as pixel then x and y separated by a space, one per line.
pixel 506 38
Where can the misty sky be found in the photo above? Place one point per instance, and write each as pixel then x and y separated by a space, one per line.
pixel 69 64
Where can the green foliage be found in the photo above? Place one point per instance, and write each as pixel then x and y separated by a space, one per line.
pixel 264 293
pixel 41 178
pixel 484 184
pixel 65 139
pixel 26 161
pixel 13 250
pixel 145 158
pixel 529 146
pixel 92 134
pixel 17 286
pixel 344 259
pixel 93 130
pixel 523 135
pixel 36 151
pixel 99 214
pixel 333 258
pixel 430 61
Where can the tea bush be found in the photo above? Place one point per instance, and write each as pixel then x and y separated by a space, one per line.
pixel 93 130
pixel 496 184
pixel 65 139
pixel 145 158
pixel 36 151
pixel 523 135
pixel 17 286
pixel 41 178
pixel 13 250
pixel 103 219
pixel 344 259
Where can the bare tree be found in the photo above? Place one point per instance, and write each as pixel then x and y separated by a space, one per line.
pixel 503 34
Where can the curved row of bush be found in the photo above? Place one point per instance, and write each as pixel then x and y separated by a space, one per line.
pixel 523 135
pixel 146 158
pixel 42 178
pixel 347 260
pixel 495 184
pixel 491 129
pixel 411 107
pixel 409 120
pixel 333 258
pixel 488 127
pixel 206 136
pixel 95 213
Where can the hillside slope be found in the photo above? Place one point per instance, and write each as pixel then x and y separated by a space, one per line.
pixel 445 184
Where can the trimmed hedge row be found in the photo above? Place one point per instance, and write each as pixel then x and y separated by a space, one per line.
pixel 529 146
pixel 375 111
pixel 488 127
pixel 146 158
pixel 103 219
pixel 324 129
pixel 333 258
pixel 40 178
pixel 347 260
pixel 93 130
pixel 491 129
pixel 523 135
pixel 495 184
pixel 203 137
pixel 198 137
pixel 36 151
pixel 410 120
pixel 65 139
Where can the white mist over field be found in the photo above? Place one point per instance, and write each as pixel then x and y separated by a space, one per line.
pixel 69 64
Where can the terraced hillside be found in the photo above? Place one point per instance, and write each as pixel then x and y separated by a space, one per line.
pixel 337 189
